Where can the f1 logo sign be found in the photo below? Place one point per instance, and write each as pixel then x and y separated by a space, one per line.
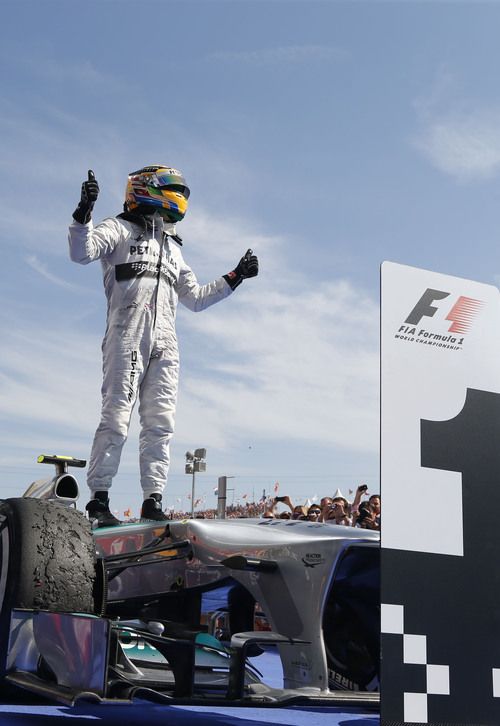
pixel 461 314
pixel 424 307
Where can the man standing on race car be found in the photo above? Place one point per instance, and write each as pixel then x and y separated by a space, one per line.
pixel 144 277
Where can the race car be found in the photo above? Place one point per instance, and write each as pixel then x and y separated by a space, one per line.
pixel 118 613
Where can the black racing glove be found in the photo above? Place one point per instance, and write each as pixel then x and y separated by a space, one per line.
pixel 248 266
pixel 90 192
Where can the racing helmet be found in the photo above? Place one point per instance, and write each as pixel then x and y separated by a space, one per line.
pixel 157 188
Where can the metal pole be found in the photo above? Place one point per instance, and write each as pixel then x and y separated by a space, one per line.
pixel 221 497
pixel 192 494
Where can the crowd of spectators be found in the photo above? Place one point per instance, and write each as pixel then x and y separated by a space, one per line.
pixel 363 511
pixel 337 509
pixel 233 511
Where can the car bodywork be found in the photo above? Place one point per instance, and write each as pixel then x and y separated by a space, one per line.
pixel 317 585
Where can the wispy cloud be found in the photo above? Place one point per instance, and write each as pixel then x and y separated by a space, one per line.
pixel 465 147
pixel 458 137
pixel 48 375
pixel 84 74
pixel 294 54
pixel 225 240
pixel 35 153
pixel 39 267
pixel 295 366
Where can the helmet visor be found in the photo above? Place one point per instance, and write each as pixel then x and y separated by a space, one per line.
pixel 166 180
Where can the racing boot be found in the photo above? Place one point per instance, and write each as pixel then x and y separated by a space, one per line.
pixel 99 512
pixel 151 509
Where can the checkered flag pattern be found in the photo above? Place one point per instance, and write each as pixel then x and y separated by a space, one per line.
pixel 415 652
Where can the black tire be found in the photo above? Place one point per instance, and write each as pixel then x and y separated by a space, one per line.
pixel 47 561
pixel 351 662
pixel 351 622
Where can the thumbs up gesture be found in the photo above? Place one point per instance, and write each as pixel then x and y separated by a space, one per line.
pixel 248 266
pixel 88 197
pixel 90 190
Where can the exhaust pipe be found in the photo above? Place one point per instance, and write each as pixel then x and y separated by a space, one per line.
pixel 63 487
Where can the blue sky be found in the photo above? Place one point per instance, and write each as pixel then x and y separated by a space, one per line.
pixel 327 136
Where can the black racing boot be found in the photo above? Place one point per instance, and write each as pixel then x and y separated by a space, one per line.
pixel 151 509
pixel 99 512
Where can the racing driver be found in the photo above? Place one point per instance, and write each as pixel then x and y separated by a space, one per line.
pixel 144 277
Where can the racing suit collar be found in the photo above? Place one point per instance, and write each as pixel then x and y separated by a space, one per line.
pixel 151 222
pixel 156 221
pixel 168 227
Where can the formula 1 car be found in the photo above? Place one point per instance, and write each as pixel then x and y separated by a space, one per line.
pixel 117 613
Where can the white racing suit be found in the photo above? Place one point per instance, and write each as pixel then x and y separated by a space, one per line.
pixel 144 277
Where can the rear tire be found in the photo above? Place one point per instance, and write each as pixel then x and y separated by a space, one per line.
pixel 47 561
pixel 351 621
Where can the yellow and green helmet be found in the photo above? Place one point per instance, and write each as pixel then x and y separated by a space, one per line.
pixel 157 188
